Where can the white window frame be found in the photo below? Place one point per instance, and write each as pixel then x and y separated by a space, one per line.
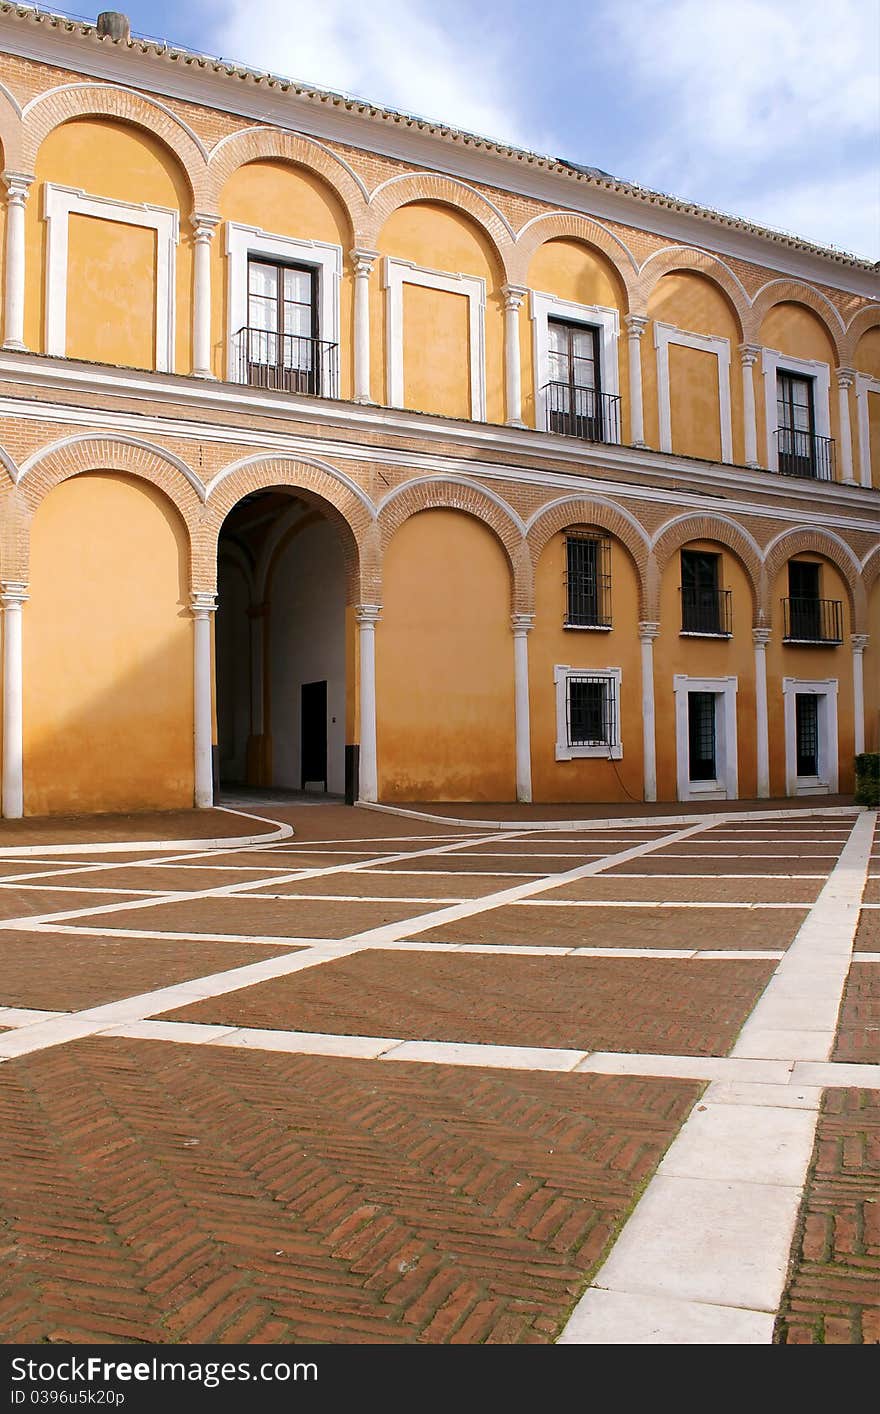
pixel 666 334
pixel 562 674
pixel 826 782
pixel 865 384
pixel 59 204
pixel 543 308
pixel 396 274
pixel 726 784
pixel 772 363
pixel 325 259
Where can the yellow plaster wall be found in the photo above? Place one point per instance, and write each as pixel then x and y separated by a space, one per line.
pixel 108 705
pixel 439 238
pixel 436 373
pixel 867 359
pixel 283 200
pixel 804 662
pixel 444 663
pixel 795 330
pixel 705 658
pixel 571 271
pixel 695 304
pixel 111 267
pixel 874 436
pixel 551 645
pixel 106 158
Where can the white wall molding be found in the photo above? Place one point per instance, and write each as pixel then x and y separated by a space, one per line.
pixel 565 751
pixel 772 361
pixel 543 308
pixel 59 204
pixel 726 783
pixel 865 384
pixel 666 334
pixel 825 783
pixel 396 274
pixel 325 259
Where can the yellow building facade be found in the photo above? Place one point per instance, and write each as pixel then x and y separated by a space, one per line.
pixel 343 452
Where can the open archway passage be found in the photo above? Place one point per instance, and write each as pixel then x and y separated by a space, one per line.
pixel 280 647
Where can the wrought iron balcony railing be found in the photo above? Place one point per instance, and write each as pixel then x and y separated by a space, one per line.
pixel 812 620
pixel 286 363
pixel 804 454
pixel 707 611
pixel 582 412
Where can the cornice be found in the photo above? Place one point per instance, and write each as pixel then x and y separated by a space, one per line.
pixel 214 83
pixel 488 451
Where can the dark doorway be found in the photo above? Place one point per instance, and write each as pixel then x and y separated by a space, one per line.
pixel 701 736
pixel 313 734
pixel 806 712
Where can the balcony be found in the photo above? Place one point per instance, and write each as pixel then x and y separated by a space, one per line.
pixel 582 412
pixel 285 363
pixel 707 612
pixel 805 454
pixel 812 621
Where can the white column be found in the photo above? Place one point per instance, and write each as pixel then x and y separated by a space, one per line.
pixel 12 597
pixel 749 354
pixel 203 606
pixel 17 186
pixel 864 384
pixel 859 643
pixel 636 324
pixel 363 261
pixel 522 625
pixel 647 633
pixel 761 637
pixel 203 229
pixel 367 616
pixel 845 380
pixel 513 301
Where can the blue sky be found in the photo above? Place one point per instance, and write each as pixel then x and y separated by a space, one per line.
pixel 769 109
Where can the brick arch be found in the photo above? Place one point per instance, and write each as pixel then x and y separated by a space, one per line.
pixel 10 131
pixel 267 144
pixel 580 510
pixel 316 483
pixel 860 323
pixel 793 292
pixel 871 570
pixel 679 532
pixel 685 258
pixel 819 542
pixel 79 455
pixel 412 187
pixel 85 100
pixel 459 494
pixel 556 225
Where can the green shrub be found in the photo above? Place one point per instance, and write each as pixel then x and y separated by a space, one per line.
pixel 868 779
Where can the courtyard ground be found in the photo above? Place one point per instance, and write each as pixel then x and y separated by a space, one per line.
pixel 349 1076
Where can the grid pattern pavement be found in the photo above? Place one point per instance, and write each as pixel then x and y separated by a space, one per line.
pixel 301 1187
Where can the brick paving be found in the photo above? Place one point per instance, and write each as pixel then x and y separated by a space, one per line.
pixel 872 891
pixel 660 863
pixel 262 917
pixel 175 1194
pixel 391 886
pixel 588 1004
pixel 64 973
pixel 143 825
pixel 833 1294
pixel 691 890
pixel 21 903
pixel 868 934
pixel 858 1035
pixel 626 928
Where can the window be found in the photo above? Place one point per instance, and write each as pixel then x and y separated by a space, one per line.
pixel 587 713
pixel 705 608
pixel 587 580
pixel 281 347
pixel 574 393
pixel 701 736
pixel 809 619
pixel 806 711
pixel 799 451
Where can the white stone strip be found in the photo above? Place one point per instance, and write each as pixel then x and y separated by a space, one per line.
pixel 859 957
pixel 643 822
pixel 280 832
pixel 715 1224
pixel 80 889
pixel 24 1016
pixel 644 903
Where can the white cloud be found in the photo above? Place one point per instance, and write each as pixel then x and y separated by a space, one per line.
pixel 393 52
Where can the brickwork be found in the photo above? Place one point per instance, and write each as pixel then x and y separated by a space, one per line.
pixel 858 1034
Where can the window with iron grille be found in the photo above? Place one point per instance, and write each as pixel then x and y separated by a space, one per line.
pixel 587 580
pixel 806 706
pixel 587 713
